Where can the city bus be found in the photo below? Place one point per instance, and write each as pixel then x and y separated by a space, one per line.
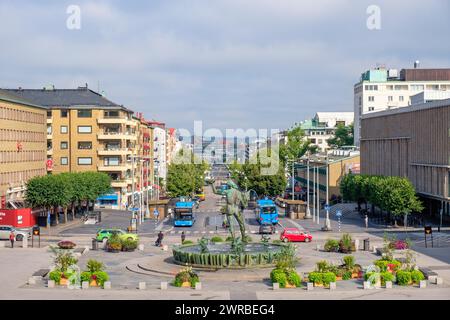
pixel 183 215
pixel 266 212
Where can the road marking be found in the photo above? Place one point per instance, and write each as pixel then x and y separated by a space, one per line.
pixel 187 232
pixel 203 232
pixel 211 232
pixel 172 232
pixel 196 231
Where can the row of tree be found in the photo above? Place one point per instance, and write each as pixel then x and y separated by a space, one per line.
pixel 185 175
pixel 392 194
pixel 66 190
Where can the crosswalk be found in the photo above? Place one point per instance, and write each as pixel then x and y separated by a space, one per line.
pixel 210 232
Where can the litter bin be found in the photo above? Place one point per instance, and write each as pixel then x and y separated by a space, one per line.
pixel 366 245
pixel 94 244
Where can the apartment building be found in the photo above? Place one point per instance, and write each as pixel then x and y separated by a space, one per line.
pixel 22 148
pixel 412 142
pixel 159 150
pixel 380 89
pixel 87 132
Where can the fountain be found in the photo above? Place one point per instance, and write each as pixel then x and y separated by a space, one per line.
pixel 237 253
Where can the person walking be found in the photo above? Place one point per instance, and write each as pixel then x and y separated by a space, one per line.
pixel 366 220
pixel 160 239
pixel 12 237
pixel 183 237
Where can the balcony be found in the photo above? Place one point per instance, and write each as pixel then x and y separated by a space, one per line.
pixel 49 136
pixel 116 135
pixel 114 151
pixel 49 120
pixel 112 120
pixel 120 183
pixel 110 168
pixel 50 152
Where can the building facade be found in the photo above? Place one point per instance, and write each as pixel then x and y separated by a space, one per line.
pixel 159 150
pixel 380 89
pixel 414 143
pixel 23 144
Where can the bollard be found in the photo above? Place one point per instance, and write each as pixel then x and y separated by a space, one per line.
pixel 198 286
pixel 439 280
pixel 374 249
pixel 432 279
pixel 25 242
pixel 50 283
pixel 142 286
pixel 356 244
pixel 310 286
pixel 31 280
pixel 107 285
pixel 141 247
pixel 332 285
pixel 275 286
pixel 367 285
pixel 163 285
pixel 85 285
pixel 104 243
pixel 86 249
pixel 388 284
pixel 422 284
pixel 318 247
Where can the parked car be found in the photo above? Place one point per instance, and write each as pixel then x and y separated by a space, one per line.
pixel 106 233
pixel 295 235
pixel 5 231
pixel 266 228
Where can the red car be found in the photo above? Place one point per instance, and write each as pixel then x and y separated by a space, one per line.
pixel 295 235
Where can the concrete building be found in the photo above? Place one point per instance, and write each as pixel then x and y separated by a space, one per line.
pixel 159 150
pixel 339 163
pixel 87 132
pixel 414 143
pixel 23 143
pixel 380 89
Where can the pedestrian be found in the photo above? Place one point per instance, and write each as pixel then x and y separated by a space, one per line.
pixel 183 237
pixel 12 237
pixel 159 240
pixel 366 220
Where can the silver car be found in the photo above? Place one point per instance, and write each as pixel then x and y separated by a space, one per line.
pixel 5 231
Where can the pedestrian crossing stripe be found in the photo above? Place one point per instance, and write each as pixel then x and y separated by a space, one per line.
pixel 196 231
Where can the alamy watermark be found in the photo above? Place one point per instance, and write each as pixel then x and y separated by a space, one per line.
pixel 73 21
pixel 374 19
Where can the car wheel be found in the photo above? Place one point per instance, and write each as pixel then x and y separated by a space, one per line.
pixel 285 240
pixel 307 240
pixel 19 237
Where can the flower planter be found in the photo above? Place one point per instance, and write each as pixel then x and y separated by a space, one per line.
pixel 338 278
pixel 288 285
pixel 63 282
pixel 93 283
pixel 186 284
pixel 355 275
pixel 318 284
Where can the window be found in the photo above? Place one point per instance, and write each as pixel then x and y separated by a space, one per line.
pixel 111 114
pixel 63 113
pixel 432 87
pixel 49 129
pixel 85 161
pixel 371 87
pixel 84 129
pixel 64 145
pixel 84 145
pixel 371 98
pixel 417 87
pixel 64 161
pixel 112 161
pixel 360 100
pixel 401 98
pixel 320 141
pixel 64 129
pixel 390 98
pixel 389 87
pixel 371 108
pixel 49 114
pixel 401 87
pixel 84 113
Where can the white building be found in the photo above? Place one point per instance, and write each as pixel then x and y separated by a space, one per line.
pixel 380 89
pixel 159 151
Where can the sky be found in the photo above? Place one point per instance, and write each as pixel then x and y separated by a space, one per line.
pixel 229 63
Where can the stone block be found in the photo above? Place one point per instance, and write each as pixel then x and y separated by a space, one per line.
pixel 275 286
pixel 85 285
pixel 141 247
pixel 50 284
pixel 198 286
pixel 366 285
pixel 439 280
pixel 25 242
pixel 423 284
pixel 432 279
pixel 104 243
pixel 165 247
pixel 356 244
pixel 31 280
pixel 388 284
pixel 142 286
pixel 107 285
pixel 374 250
pixel 332 285
pixel 163 285
pixel 86 249
pixel 318 247
pixel 310 286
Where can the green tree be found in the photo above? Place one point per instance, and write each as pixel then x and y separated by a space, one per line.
pixel 296 145
pixel 343 136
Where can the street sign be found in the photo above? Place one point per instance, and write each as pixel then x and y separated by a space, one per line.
pixel 338 213
pixel 134 209
pixel 428 230
pixel 327 207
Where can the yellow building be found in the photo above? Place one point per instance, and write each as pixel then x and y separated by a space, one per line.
pixel 87 132
pixel 22 144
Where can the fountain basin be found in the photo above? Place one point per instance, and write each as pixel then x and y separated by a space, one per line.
pixel 220 255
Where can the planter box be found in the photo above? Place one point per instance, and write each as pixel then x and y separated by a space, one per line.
pixel 186 284
pixel 288 285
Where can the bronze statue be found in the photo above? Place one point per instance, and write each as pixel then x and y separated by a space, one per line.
pixel 237 201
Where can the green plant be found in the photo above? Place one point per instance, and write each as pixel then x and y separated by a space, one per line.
pixel 403 278
pixel 55 275
pixel 277 241
pixel 293 278
pixel 85 276
pixel 186 275
pixel 94 266
pixel 417 276
pixel 328 277
pixel 114 243
pixel 229 239
pixel 315 277
pixel 247 239
pixel 286 259
pixel 345 244
pixel 129 244
pixel 278 276
pixel 63 259
pixel 187 242
pixel 382 264
pixel 386 276
pixel 100 276
pixel 216 239
pixel 339 272
pixel 331 245
pixel 322 266
pixel 349 262
pixel 347 275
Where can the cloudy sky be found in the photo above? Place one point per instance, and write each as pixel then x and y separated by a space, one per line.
pixel 229 63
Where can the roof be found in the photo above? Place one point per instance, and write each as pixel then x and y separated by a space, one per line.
pixel 265 202
pixel 81 97
pixel 11 97
pixel 185 204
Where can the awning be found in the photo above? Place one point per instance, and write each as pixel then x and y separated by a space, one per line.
pixel 108 197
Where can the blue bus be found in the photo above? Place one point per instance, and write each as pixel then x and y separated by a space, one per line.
pixel 266 212
pixel 183 215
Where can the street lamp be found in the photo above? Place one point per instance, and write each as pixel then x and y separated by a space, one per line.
pixel 327 225
pixel 308 212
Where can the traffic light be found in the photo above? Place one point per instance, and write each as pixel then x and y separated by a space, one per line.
pixel 36 231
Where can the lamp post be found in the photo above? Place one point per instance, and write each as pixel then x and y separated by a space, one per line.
pixel 293 180
pixel 132 186
pixel 314 194
pixel 318 196
pixel 308 212
pixel 327 225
